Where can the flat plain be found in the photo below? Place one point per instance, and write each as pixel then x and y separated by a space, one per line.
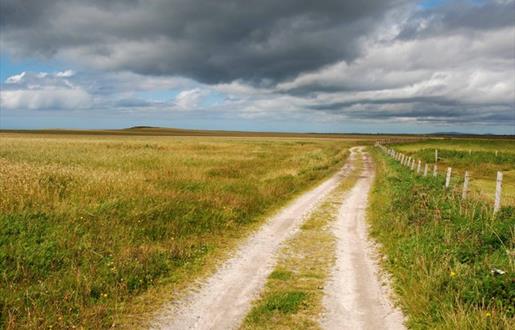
pixel 102 228
pixel 93 228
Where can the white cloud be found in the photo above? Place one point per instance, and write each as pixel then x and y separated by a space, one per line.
pixel 65 74
pixel 44 99
pixel 34 91
pixel 15 79
pixel 190 99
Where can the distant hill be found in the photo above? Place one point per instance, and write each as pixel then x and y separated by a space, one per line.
pixel 166 131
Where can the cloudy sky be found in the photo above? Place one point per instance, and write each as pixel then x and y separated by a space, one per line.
pixel 290 65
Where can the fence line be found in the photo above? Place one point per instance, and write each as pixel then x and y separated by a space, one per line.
pixel 409 162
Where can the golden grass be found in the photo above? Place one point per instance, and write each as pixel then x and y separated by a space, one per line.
pixel 97 231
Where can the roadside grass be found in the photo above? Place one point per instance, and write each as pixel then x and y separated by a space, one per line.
pixel 97 232
pixel 452 262
pixel 292 297
pixel 478 156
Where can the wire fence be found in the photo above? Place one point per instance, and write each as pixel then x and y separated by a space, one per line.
pixel 427 169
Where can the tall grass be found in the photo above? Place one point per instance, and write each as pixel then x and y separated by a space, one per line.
pixel 451 260
pixel 89 224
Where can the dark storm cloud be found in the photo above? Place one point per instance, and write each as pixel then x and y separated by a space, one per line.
pixel 210 41
pixel 383 60
pixel 435 112
pixel 425 110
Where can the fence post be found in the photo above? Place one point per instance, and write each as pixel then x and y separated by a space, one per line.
pixel 436 156
pixel 425 170
pixel 435 170
pixel 498 190
pixel 413 164
pixel 465 185
pixel 448 177
pixel 418 167
pixel 496 152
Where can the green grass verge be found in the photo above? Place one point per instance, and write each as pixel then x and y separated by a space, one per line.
pixel 292 297
pixel 452 262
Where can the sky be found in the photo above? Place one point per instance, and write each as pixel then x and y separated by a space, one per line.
pixel 374 66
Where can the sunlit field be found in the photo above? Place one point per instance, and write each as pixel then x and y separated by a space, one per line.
pixel 91 224
pixel 481 157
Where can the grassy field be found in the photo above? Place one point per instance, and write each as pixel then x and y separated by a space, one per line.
pixel 98 230
pixel 452 262
pixel 478 156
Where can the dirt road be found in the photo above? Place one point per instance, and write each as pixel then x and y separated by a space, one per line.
pixel 224 299
pixel 354 297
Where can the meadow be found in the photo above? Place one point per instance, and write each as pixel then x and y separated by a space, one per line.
pixel 451 260
pixel 96 231
pixel 481 157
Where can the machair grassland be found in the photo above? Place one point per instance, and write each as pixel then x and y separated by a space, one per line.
pixel 97 231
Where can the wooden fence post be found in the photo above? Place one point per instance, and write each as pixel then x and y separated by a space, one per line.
pixel 413 164
pixel 436 156
pixel 465 185
pixel 418 167
pixel 425 170
pixel 498 190
pixel 448 177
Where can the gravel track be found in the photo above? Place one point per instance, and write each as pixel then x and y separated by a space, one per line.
pixel 223 299
pixel 356 294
